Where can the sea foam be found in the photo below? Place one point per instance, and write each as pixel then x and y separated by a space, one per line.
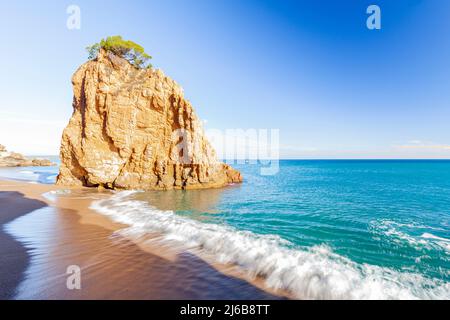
pixel 307 273
pixel 398 232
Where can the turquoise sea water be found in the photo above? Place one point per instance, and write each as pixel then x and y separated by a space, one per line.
pixel 319 229
pixel 389 213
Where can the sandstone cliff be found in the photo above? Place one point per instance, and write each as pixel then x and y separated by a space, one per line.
pixel 133 129
pixel 13 159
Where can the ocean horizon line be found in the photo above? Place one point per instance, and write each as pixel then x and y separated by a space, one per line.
pixel 299 159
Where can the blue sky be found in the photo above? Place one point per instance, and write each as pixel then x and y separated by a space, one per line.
pixel 312 69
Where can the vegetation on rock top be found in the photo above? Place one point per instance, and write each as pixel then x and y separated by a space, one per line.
pixel 127 49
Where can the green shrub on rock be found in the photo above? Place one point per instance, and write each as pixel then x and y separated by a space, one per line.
pixel 126 49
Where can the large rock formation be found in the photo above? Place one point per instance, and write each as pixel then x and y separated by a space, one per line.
pixel 13 159
pixel 133 129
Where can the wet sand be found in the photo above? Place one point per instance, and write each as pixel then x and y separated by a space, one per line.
pixel 62 231
pixel 13 256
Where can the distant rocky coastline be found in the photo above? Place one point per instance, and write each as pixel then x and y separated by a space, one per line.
pixel 14 159
pixel 132 128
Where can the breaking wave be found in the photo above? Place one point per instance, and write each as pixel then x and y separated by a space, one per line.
pixel 307 273
pixel 416 236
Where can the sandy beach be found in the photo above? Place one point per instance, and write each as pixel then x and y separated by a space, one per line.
pixel 42 235
pixel 13 256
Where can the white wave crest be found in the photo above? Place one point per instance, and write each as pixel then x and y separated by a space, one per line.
pixel 52 195
pixel 400 233
pixel 443 242
pixel 315 273
pixel 27 172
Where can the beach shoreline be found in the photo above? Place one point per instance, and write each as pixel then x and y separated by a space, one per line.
pixel 112 267
pixel 14 256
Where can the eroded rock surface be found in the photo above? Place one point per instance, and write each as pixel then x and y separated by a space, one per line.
pixel 133 129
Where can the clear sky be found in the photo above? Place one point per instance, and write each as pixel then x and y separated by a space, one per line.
pixel 312 69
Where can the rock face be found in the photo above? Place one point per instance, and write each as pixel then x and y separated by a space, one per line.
pixel 13 159
pixel 132 129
